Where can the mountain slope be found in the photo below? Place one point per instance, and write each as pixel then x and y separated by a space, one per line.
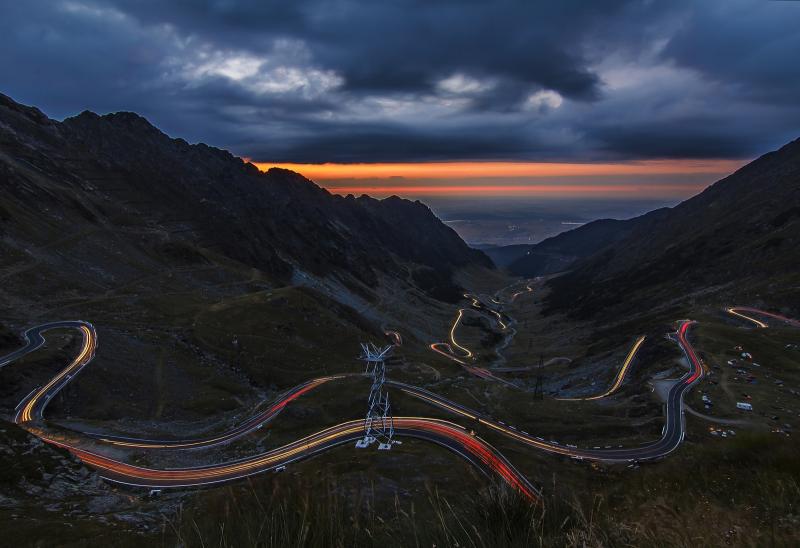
pixel 740 237
pixel 504 255
pixel 106 219
pixel 278 222
pixel 557 253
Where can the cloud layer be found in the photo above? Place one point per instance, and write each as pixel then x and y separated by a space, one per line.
pixel 407 81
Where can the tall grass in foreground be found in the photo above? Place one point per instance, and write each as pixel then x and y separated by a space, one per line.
pixel 495 517
pixel 302 517
pixel 742 493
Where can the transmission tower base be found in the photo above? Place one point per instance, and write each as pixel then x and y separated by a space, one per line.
pixel 365 442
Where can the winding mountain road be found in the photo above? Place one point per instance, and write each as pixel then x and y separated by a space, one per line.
pixel 449 435
pixel 30 415
pixel 621 374
pixel 446 348
pixel 672 436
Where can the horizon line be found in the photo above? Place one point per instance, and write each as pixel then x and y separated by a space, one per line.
pixel 450 170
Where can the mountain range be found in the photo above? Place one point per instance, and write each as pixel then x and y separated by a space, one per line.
pixel 127 201
pixel 215 287
pixel 161 199
pixel 739 238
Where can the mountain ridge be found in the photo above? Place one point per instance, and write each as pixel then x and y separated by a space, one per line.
pixel 557 253
pixel 277 221
pixel 739 237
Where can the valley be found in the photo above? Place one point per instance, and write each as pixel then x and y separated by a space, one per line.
pixel 197 353
pixel 478 452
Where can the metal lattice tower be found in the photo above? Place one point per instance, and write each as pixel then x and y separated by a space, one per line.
pixel 378 424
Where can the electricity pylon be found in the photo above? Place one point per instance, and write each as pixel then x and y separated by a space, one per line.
pixel 379 423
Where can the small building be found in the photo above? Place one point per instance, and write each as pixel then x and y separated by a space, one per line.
pixel 744 405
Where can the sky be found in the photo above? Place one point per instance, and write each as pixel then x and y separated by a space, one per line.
pixel 612 99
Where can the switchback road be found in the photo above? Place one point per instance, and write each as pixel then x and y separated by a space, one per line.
pixel 30 411
pixel 29 414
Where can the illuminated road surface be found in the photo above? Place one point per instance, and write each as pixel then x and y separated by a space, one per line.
pixel 528 289
pixel 621 374
pixel 30 411
pixel 446 349
pixel 395 337
pixel 743 311
pixel 449 435
pixel 466 351
pixel 454 437
pixel 672 436
pixel 33 405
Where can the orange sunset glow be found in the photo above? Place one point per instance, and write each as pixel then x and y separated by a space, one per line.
pixel 464 170
pixel 455 177
pixel 515 190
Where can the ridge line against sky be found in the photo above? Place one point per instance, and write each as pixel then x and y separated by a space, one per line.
pixel 663 179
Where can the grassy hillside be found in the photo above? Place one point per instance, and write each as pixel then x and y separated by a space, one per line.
pixel 739 239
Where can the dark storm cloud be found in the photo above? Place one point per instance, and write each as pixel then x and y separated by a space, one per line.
pixel 380 143
pixel 416 80
pixel 407 46
pixel 754 44
pixel 671 141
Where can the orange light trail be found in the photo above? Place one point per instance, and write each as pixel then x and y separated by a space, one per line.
pixel 739 311
pixel 623 371
pixel 758 323
pixel 84 356
pixel 451 435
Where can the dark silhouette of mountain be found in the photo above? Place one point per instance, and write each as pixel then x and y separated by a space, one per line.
pixel 558 253
pixel 740 237
pixel 91 173
pixel 504 255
